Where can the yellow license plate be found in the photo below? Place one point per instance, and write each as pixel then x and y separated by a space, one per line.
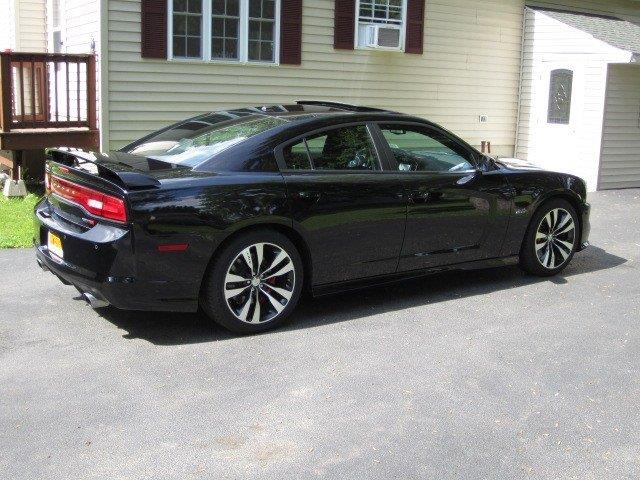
pixel 54 243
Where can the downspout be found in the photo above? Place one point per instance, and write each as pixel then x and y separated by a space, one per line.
pixel 520 82
pixel 104 74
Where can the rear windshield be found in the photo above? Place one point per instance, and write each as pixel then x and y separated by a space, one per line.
pixel 197 140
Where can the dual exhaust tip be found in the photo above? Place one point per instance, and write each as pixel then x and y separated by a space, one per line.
pixel 93 301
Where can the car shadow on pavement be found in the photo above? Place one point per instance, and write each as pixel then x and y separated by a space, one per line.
pixel 186 328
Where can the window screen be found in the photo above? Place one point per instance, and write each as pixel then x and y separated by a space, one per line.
pixel 560 89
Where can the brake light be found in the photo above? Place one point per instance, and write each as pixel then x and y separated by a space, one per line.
pixel 95 202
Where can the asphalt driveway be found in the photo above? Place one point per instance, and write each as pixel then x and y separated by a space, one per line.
pixel 489 374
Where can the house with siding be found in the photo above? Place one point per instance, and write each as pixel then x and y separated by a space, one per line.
pixel 22 25
pixel 481 69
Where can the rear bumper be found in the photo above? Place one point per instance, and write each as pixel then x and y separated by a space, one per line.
pixel 107 290
pixel 100 262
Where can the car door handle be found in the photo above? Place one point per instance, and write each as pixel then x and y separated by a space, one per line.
pixel 422 197
pixel 308 197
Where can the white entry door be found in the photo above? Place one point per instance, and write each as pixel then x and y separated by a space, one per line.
pixel 559 95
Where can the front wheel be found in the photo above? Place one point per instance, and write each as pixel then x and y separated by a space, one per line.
pixel 254 284
pixel 551 239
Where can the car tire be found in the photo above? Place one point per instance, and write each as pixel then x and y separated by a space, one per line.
pixel 254 283
pixel 551 239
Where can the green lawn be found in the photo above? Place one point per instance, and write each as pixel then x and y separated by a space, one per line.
pixel 16 221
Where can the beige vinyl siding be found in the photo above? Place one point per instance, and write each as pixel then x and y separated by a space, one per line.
pixel 30 26
pixel 470 67
pixel 620 161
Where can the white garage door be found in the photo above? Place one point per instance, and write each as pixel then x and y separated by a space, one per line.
pixel 620 161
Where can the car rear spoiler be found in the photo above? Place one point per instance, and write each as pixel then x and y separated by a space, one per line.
pixel 100 165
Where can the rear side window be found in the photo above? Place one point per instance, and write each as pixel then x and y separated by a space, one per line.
pixel 348 148
pixel 197 140
pixel 296 156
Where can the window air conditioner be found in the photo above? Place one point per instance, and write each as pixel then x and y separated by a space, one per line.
pixel 383 36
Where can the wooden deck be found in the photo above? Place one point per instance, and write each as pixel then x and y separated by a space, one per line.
pixel 47 100
pixel 40 138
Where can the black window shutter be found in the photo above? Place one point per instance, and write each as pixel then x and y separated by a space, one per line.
pixel 153 25
pixel 414 42
pixel 291 32
pixel 344 24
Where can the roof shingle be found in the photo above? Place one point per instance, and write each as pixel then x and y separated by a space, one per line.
pixel 614 31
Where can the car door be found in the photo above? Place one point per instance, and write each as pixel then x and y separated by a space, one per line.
pixel 352 217
pixel 457 210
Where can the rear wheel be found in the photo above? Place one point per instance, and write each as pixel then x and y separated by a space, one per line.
pixel 254 284
pixel 551 239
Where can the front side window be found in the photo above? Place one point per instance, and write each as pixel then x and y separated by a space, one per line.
pixel 381 24
pixel 347 148
pixel 418 149
pixel 560 89
pixel 225 30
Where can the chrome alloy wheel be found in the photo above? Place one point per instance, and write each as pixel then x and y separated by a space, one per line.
pixel 259 283
pixel 555 238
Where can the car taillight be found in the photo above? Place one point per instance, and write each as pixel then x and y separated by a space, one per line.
pixel 47 182
pixel 95 202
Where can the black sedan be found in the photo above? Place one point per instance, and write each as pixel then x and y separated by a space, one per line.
pixel 237 211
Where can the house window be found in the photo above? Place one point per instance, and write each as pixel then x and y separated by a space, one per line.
pixel 187 28
pixel 225 30
pixel 262 26
pixel 560 89
pixel 381 24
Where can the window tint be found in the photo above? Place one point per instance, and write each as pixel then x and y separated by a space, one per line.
pixel 197 140
pixel 349 148
pixel 296 156
pixel 560 87
pixel 422 150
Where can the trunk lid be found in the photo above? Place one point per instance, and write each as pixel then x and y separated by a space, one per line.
pixel 123 170
pixel 113 174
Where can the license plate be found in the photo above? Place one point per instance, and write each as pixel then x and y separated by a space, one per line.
pixel 54 243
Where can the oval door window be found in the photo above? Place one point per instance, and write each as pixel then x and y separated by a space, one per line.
pixel 560 87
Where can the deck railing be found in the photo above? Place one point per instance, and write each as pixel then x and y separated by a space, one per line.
pixel 47 90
